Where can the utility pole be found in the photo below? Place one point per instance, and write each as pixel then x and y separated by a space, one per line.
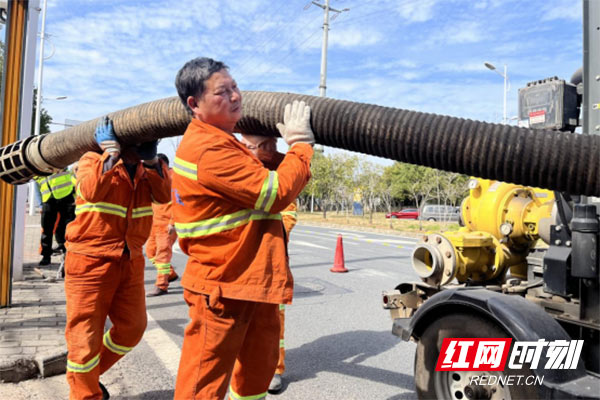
pixel 38 102
pixel 323 80
pixel 326 9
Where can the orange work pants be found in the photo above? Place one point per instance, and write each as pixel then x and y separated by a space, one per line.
pixel 281 362
pixel 95 288
pixel 227 339
pixel 159 250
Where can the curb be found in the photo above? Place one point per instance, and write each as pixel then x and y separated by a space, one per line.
pixel 43 366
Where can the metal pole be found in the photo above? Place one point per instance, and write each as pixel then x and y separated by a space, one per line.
pixel 591 67
pixel 504 120
pixel 38 102
pixel 323 83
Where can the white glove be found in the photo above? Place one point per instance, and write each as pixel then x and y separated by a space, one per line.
pixel 296 124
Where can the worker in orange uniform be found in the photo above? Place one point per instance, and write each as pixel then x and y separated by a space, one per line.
pixel 226 208
pixel 159 247
pixel 265 149
pixel 104 264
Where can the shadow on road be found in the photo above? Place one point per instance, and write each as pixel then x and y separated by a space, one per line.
pixel 153 395
pixel 343 353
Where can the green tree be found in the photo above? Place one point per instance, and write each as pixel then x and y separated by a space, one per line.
pixel 45 118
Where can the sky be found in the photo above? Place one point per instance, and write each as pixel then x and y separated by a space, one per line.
pixel 424 55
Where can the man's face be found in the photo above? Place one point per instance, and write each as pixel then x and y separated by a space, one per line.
pixel 264 148
pixel 221 102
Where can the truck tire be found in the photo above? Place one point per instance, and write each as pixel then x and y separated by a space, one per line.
pixel 450 385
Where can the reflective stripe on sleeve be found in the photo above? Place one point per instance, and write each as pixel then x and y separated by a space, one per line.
pixel 107 208
pixel 233 395
pixel 292 214
pixel 185 168
pixel 141 212
pixel 268 193
pixel 115 348
pixel 281 343
pixel 83 368
pixel 221 224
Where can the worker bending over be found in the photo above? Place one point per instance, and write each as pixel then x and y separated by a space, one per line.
pixel 226 207
pixel 159 247
pixel 104 265
pixel 265 149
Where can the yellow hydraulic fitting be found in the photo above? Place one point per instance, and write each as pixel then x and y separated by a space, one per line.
pixel 502 222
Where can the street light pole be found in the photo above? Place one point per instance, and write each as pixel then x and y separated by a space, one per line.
pixel 504 75
pixel 38 101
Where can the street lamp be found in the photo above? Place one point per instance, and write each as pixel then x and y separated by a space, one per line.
pixel 491 67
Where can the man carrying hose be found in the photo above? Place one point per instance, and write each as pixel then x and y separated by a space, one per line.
pixel 159 247
pixel 265 149
pixel 104 265
pixel 226 207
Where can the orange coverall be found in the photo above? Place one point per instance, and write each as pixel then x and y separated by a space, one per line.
pixel 290 217
pixel 104 267
pixel 226 208
pixel 159 247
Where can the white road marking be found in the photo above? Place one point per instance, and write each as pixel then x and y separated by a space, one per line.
pixel 391 241
pixel 303 243
pixel 313 235
pixel 373 272
pixel 164 347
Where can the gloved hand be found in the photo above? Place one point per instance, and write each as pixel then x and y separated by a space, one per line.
pixel 105 136
pixel 296 124
pixel 147 151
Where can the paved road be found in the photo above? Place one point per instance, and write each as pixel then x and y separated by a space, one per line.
pixel 338 339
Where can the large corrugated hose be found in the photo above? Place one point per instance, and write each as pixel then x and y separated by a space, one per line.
pixel 539 158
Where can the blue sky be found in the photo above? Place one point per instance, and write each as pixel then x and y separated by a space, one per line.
pixel 424 55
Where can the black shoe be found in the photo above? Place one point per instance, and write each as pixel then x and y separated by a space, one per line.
pixel 59 250
pixel 45 261
pixel 105 394
pixel 157 292
pixel 276 384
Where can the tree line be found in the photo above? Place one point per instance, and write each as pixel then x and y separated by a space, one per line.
pixel 340 180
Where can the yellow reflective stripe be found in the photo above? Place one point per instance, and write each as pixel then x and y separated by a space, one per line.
pixel 101 207
pixel 273 194
pixel 235 396
pixel 141 212
pixel 282 306
pixel 115 348
pixel 185 168
pixel 290 213
pixel 163 268
pixel 83 368
pixel 281 343
pixel 268 192
pixel 221 224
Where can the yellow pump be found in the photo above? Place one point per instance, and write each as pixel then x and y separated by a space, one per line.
pixel 502 222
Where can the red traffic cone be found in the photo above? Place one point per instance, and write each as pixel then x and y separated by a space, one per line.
pixel 338 261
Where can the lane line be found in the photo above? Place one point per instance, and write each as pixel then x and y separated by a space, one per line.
pixel 307 244
pixel 163 346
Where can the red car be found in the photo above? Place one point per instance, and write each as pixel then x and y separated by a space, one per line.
pixel 408 213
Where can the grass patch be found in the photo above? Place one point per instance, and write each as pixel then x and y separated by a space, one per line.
pixel 379 223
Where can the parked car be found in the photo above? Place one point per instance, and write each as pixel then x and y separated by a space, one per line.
pixel 408 213
pixel 436 212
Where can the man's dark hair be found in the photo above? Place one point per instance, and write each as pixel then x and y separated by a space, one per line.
pixel 190 78
pixel 163 157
